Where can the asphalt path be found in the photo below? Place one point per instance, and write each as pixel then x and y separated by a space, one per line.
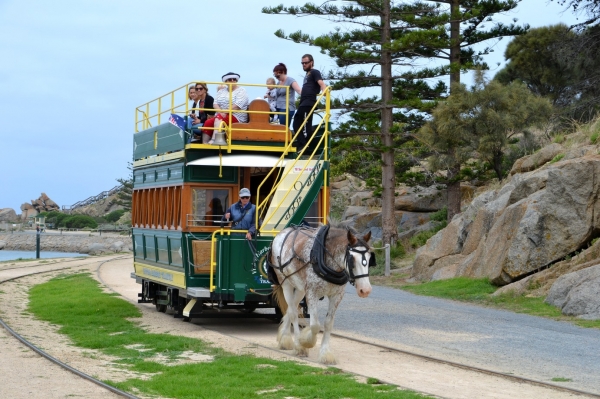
pixel 526 346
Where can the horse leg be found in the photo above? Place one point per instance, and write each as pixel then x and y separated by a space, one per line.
pixel 326 354
pixel 284 336
pixel 308 338
pixel 293 312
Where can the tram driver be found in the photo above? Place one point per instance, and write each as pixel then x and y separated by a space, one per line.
pixel 241 215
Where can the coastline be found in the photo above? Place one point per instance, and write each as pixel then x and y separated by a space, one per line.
pixel 74 242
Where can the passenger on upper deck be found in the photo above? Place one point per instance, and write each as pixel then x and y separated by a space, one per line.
pixel 202 100
pixel 239 101
pixel 312 86
pixel 271 96
pixel 280 72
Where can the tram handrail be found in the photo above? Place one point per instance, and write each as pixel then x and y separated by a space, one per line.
pixel 325 121
pixel 148 115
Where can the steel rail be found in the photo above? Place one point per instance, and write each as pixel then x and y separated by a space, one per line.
pixel 51 358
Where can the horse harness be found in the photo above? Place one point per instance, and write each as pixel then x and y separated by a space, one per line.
pixel 317 259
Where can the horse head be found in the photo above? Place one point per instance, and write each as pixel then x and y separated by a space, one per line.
pixel 358 260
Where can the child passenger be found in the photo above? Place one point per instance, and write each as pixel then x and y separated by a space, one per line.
pixel 271 97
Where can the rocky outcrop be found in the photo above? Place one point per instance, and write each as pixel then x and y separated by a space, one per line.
pixel 578 293
pixel 8 215
pixel 534 161
pixel 42 204
pixel 420 199
pixel 536 219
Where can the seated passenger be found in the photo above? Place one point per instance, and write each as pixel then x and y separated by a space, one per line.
pixel 239 101
pixel 202 100
pixel 215 213
pixel 192 97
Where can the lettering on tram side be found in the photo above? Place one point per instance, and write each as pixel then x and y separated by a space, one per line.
pixel 158 274
pixel 259 266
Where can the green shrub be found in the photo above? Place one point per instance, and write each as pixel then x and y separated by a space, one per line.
pixel 54 217
pixel 594 137
pixel 79 222
pixel 440 216
pixel 559 138
pixel 557 158
pixel 114 215
pixel 419 239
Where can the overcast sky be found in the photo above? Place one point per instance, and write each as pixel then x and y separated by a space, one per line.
pixel 72 73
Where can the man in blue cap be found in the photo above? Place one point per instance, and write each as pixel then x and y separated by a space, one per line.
pixel 241 215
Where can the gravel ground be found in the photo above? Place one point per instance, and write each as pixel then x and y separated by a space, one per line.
pixel 257 337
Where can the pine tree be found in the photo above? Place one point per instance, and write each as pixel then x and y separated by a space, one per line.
pixel 125 194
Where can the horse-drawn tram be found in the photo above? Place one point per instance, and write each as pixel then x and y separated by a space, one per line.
pixel 187 256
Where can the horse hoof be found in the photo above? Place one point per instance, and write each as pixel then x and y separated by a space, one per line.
pixel 286 342
pixel 301 352
pixel 307 338
pixel 327 358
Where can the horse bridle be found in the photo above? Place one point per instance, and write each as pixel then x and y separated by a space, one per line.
pixel 350 261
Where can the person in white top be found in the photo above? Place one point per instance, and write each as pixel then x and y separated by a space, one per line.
pixel 271 97
pixel 239 101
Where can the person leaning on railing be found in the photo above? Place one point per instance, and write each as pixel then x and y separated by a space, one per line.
pixel 280 72
pixel 239 101
pixel 241 215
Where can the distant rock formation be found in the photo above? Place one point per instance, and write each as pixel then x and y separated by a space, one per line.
pixel 8 215
pixel 42 204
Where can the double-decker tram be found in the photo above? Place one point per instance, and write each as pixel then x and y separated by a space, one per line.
pixel 185 258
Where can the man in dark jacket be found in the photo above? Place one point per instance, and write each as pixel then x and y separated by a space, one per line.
pixel 242 214
pixel 312 86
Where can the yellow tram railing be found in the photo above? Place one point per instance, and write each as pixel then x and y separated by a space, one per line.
pixel 158 110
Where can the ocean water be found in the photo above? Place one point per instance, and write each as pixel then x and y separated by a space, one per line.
pixel 12 255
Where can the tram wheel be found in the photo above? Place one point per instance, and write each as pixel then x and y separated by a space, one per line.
pixel 248 309
pixel 161 308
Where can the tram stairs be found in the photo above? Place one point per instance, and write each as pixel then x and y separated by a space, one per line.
pixel 296 190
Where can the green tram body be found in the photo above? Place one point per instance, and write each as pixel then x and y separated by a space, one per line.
pixel 183 259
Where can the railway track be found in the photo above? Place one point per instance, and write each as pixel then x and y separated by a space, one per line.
pixel 37 350
pixel 509 377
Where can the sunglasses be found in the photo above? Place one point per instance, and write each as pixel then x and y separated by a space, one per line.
pixel 306 63
pixel 231 80
pixel 245 197
pixel 200 88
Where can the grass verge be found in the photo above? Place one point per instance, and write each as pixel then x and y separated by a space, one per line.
pixel 96 320
pixel 479 291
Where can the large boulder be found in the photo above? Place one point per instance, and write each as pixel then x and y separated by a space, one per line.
pixel 8 215
pixel 534 161
pixel 578 293
pixel 533 221
pixel 2 244
pixel 419 199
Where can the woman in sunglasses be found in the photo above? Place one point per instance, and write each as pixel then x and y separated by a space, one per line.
pixel 239 101
pixel 241 214
pixel 197 118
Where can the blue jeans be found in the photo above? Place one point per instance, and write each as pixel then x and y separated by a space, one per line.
pixel 282 116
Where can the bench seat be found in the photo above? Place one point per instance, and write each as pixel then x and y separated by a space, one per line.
pixel 269 132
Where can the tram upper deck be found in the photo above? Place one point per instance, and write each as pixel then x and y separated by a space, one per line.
pixel 175 179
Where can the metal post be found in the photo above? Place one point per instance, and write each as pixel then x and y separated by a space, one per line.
pixel 37 244
pixel 387 260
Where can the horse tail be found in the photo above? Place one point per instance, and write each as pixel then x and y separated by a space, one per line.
pixel 279 298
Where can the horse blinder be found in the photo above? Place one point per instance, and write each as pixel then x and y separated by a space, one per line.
pixel 350 262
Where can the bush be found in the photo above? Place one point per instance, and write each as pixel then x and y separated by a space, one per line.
pixel 54 217
pixel 79 222
pixel 440 216
pixel 114 215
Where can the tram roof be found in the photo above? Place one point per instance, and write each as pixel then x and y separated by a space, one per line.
pixel 261 161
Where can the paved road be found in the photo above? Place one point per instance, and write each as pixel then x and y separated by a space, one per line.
pixel 523 345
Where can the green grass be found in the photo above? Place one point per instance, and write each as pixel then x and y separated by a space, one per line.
pixel 557 158
pixel 561 379
pixel 96 320
pixel 479 291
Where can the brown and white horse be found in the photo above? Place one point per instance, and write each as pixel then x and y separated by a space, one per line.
pixel 346 256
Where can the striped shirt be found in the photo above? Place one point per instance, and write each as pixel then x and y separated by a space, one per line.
pixel 239 98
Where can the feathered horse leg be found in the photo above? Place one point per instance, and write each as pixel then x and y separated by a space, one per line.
pixel 283 294
pixel 308 338
pixel 326 354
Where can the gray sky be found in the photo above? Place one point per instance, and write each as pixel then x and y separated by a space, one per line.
pixel 72 73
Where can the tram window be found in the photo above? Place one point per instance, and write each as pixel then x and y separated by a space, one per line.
pixel 150 248
pixel 208 206
pixel 163 251
pixel 138 248
pixel 175 250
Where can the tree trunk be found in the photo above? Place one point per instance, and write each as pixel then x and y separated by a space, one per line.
pixel 497 162
pixel 453 199
pixel 454 43
pixel 388 176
